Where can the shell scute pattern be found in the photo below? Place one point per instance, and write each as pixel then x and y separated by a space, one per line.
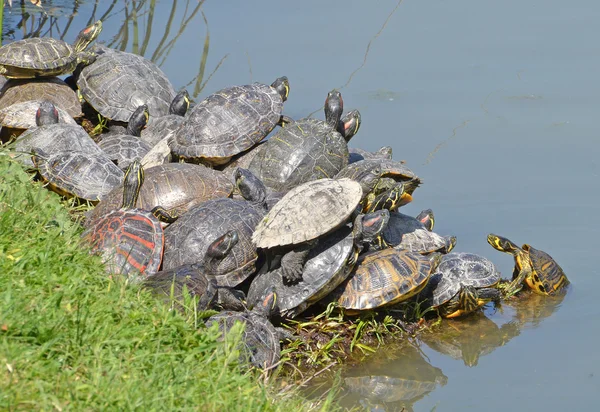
pixel 43 53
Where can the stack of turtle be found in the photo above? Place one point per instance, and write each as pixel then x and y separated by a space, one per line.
pixel 261 228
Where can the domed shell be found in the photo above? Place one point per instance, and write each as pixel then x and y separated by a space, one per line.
pixel 406 232
pixel 467 269
pixel 37 54
pixel 123 149
pixel 22 115
pixel 307 212
pixel 550 276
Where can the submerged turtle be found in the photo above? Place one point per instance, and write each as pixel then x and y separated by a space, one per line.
pixel 462 283
pixel 45 56
pixel 305 150
pixel 409 233
pixel 131 240
pixel 230 121
pixel 385 277
pixel 327 265
pixel 534 267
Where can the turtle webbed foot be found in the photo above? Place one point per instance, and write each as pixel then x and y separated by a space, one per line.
pixel 292 263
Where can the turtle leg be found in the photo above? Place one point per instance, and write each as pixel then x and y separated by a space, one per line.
pixel 209 297
pixel 292 263
pixel 231 299
pixel 517 283
pixel 285 120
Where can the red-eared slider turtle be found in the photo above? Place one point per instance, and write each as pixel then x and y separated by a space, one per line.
pixel 305 150
pixel 123 149
pixel 187 240
pixel 20 116
pixel 230 121
pixel 51 89
pixel 88 176
pixel 385 277
pixel 131 240
pixel 357 154
pixel 260 344
pixel 462 283
pixel 427 218
pixel 409 233
pixel 327 265
pixel 534 267
pixel 176 187
pixel 45 56
pixel 198 280
pixel 117 83
pixel 52 137
pixel 164 126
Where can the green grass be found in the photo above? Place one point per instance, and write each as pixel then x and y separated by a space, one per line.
pixel 71 338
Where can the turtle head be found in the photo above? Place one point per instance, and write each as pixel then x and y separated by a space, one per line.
pixel 334 106
pixel 132 183
pixel 250 187
pixel 426 217
pixel 468 299
pixel 221 246
pixel 502 244
pixel 435 259
pixel 138 120
pixel 86 36
pixel 180 104
pixel 385 152
pixel 350 124
pixel 369 227
pixel 267 304
pixel 46 113
pixel 391 199
pixel 282 85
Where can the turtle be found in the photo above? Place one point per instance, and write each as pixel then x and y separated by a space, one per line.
pixel 123 149
pixel 409 233
pixel 260 344
pixel 534 267
pixel 462 283
pixel 390 199
pixel 305 150
pixel 197 278
pixel 117 83
pixel 52 137
pixel 88 176
pixel 20 116
pixel 385 277
pixel 187 239
pixel 356 154
pixel 327 265
pixel 426 217
pixel 130 240
pixel 230 121
pixel 51 89
pixel 45 56
pixel 176 187
pixel 163 127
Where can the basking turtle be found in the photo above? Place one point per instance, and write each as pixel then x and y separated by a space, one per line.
pixel 260 344
pixel 534 267
pixel 385 277
pixel 391 199
pixel 117 83
pixel 230 121
pixel 45 56
pixel 357 154
pixel 123 149
pixel 20 116
pixel 131 240
pixel 427 218
pixel 197 278
pixel 187 240
pixel 164 126
pixel 305 150
pixel 409 233
pixel 327 265
pixel 176 187
pixel 462 283
pixel 88 176
pixel 51 89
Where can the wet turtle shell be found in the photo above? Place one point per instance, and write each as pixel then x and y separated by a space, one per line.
pixel 176 187
pixel 383 278
pixel 117 83
pixel 22 115
pixel 45 56
pixel 47 88
pixel 407 232
pixel 307 212
pixel 230 121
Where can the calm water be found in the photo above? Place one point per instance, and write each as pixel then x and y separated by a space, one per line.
pixel 493 105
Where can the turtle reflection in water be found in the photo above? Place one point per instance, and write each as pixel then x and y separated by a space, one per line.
pixel 397 377
pixel 470 338
pixel 531 308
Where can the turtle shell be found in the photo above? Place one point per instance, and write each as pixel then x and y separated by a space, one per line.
pixel 356 154
pixel 187 240
pixel 22 115
pixel 227 123
pixel 176 187
pixel 307 212
pixel 131 242
pixel 406 232
pixel 458 269
pixel 123 149
pixel 53 138
pixel 46 88
pixel 117 83
pixel 171 283
pixel 37 56
pixel 549 278
pixel 161 128
pixel 383 278
pixel 88 176
pixel 305 150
